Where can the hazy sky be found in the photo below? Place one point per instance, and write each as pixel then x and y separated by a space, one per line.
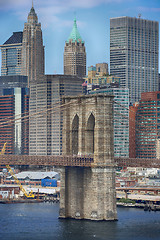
pixel 56 18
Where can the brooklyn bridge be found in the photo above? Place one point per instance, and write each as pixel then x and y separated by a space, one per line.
pixel 87 164
pixel 74 161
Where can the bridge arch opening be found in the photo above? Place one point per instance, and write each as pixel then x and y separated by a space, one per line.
pixel 90 134
pixel 75 128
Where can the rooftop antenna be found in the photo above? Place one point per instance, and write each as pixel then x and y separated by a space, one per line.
pixel 139 15
pixel 32 4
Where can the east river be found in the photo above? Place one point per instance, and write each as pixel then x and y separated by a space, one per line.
pixel 39 221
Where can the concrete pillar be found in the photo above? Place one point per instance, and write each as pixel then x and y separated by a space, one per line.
pixel 71 193
pixel 63 195
pixel 89 193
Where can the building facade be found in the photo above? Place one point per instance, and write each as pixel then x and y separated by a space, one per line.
pixel 98 75
pixel 14 81
pixel 148 125
pixel 32 48
pixel 7 112
pixel 13 106
pixel 14 92
pixel 134 50
pixel 121 119
pixel 91 73
pixel 46 94
pixel 132 130
pixel 102 69
pixel 12 55
pixel 23 52
pixel 75 54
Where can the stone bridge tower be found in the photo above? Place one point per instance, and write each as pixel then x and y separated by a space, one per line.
pixel 88 192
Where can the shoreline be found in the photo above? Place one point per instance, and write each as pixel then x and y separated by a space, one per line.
pixel 9 201
pixel 146 207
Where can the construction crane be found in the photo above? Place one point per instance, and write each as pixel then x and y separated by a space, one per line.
pixel 30 195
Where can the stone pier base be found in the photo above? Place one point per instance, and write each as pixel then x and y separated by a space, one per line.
pixel 88 193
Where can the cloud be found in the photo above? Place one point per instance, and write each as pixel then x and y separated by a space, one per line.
pixel 49 11
pixel 6 5
pixel 57 6
pixel 91 3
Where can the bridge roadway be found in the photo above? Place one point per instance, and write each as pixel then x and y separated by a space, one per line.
pixel 81 161
pixel 23 160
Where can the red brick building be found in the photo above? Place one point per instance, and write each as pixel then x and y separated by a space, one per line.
pixel 11 131
pixel 148 125
pixel 6 125
pixel 132 130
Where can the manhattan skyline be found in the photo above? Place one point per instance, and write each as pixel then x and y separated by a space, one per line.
pixel 57 17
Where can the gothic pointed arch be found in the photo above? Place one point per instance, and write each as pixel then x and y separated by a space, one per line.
pixel 75 128
pixel 90 134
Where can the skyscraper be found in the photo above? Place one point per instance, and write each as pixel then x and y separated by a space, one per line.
pixel 11 55
pixel 23 52
pixel 75 54
pixel 148 125
pixel 120 118
pixel 32 47
pixel 14 105
pixel 134 49
pixel 45 130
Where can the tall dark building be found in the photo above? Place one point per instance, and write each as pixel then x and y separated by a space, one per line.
pixel 23 52
pixel 12 55
pixel 75 54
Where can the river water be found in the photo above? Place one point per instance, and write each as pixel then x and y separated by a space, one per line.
pixel 39 221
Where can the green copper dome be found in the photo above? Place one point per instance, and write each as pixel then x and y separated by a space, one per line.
pixel 74 35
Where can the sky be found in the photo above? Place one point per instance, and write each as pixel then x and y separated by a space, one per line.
pixel 57 16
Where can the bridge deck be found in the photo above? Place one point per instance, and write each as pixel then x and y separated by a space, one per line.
pixel 138 162
pixel 83 161
pixel 46 160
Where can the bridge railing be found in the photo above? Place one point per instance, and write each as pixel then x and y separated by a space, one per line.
pixel 138 162
pixel 20 160
pixel 79 161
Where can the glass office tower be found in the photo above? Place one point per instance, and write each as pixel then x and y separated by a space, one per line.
pixel 11 55
pixel 20 110
pixel 14 104
pixel 134 50
pixel 121 119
